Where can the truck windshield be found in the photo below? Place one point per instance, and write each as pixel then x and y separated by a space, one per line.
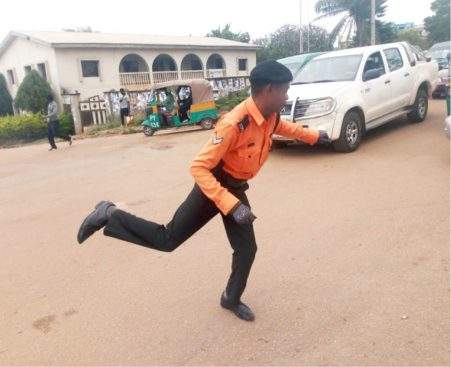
pixel 330 69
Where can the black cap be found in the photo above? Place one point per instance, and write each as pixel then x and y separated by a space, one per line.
pixel 270 72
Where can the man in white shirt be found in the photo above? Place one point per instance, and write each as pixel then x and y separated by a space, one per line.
pixel 124 105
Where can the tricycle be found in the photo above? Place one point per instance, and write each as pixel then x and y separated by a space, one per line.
pixel 180 103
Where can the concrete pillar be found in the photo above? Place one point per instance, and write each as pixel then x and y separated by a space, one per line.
pixel 73 99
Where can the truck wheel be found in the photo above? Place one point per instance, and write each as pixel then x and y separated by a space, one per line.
pixel 148 131
pixel 206 123
pixel 420 108
pixel 351 133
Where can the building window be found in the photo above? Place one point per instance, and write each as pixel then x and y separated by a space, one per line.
pixel 11 79
pixel 90 68
pixel 27 69
pixel 42 71
pixel 242 64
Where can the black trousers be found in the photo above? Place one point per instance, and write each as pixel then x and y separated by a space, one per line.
pixel 183 110
pixel 53 131
pixel 193 214
pixel 124 112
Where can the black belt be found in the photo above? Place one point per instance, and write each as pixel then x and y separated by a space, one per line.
pixel 227 180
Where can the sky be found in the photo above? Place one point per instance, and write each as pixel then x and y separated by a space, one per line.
pixel 179 17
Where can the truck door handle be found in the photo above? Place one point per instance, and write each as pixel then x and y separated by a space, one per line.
pixel 387 81
pixel 406 74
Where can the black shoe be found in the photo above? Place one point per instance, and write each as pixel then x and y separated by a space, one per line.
pixel 241 310
pixel 94 221
pixel 52 148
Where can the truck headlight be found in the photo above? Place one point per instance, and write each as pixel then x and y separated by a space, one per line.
pixel 310 108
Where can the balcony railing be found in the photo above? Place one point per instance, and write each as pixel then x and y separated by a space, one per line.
pixel 216 73
pixel 164 76
pixel 144 80
pixel 135 79
pixel 192 74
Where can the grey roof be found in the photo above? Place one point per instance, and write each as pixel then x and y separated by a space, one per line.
pixel 111 40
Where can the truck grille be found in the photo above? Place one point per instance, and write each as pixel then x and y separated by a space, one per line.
pixel 286 109
pixel 300 108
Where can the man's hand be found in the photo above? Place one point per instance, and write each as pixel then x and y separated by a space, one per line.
pixel 323 138
pixel 242 214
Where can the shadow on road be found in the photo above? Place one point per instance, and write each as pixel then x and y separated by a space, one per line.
pixel 300 149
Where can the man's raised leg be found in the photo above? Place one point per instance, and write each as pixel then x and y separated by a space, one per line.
pixel 192 215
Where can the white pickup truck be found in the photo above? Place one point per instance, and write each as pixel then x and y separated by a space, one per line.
pixel 348 92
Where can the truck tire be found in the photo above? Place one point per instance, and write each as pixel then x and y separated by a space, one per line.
pixel 351 133
pixel 420 107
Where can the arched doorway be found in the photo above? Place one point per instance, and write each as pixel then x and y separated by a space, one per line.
pixel 191 67
pixel 164 68
pixel 134 72
pixel 216 66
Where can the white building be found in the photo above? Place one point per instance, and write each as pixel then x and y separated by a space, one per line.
pixel 92 63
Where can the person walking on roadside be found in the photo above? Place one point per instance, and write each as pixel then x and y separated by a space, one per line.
pixel 53 124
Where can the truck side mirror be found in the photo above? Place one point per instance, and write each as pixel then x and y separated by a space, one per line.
pixel 371 74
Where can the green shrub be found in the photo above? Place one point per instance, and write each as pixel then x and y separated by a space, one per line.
pixel 66 124
pixel 29 127
pixel 6 102
pixel 25 127
pixel 32 93
pixel 137 119
pixel 227 103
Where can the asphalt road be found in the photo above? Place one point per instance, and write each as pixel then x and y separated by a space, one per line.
pixel 352 266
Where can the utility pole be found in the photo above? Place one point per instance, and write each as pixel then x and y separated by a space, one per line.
pixel 308 38
pixel 301 48
pixel 373 22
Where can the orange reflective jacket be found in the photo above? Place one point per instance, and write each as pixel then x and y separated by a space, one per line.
pixel 243 146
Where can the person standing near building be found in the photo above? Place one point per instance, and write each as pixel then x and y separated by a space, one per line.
pixel 53 124
pixel 124 105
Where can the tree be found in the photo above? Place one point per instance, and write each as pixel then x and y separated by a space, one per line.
pixel 6 102
pixel 414 37
pixel 357 14
pixel 386 32
pixel 226 33
pixel 437 25
pixel 32 93
pixel 284 42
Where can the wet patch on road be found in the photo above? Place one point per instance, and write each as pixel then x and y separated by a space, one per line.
pixel 161 146
pixel 43 324
pixel 70 312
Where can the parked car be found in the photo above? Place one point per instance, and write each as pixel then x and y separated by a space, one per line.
pixel 443 82
pixel 297 62
pixel 348 92
pixel 440 52
pixel 448 126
